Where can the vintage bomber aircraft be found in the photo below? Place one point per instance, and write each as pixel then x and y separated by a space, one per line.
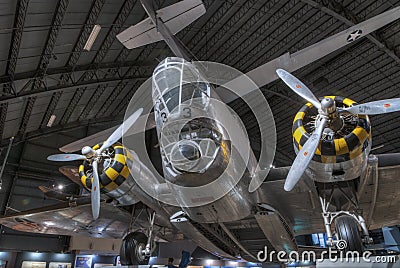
pixel 218 227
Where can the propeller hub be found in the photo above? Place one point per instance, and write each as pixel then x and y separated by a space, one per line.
pixel 88 152
pixel 328 106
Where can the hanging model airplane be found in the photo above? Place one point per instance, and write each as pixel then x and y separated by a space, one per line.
pixel 272 215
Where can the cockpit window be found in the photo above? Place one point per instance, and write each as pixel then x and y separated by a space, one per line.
pixel 171 98
pixel 189 91
pixel 197 129
pixel 193 90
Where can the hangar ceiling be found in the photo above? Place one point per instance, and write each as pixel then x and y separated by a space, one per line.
pixel 45 71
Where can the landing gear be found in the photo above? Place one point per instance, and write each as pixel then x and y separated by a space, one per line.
pixel 347 236
pixel 137 247
pixel 132 249
pixel 346 228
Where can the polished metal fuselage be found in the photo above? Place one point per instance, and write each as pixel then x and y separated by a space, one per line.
pixel 203 139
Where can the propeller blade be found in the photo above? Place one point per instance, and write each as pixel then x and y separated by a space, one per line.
pixel 304 157
pixel 298 87
pixel 66 157
pixel 95 193
pixel 120 131
pixel 375 107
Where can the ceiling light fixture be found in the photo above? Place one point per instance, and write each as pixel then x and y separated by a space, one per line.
pixel 92 37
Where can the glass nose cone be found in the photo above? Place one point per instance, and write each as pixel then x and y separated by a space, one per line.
pixel 189 151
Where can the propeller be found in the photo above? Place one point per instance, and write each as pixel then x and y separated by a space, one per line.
pixel 66 157
pixel 375 107
pixel 95 156
pixel 298 87
pixel 95 193
pixel 327 111
pixel 304 157
pixel 121 130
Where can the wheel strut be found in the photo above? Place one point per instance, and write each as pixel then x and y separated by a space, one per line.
pixel 329 217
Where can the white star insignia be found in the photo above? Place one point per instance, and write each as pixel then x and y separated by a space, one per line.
pixel 354 36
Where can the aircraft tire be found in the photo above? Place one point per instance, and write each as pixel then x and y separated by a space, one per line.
pixel 131 246
pixel 347 229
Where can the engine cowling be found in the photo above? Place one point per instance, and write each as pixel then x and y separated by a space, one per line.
pixel 342 153
pixel 115 179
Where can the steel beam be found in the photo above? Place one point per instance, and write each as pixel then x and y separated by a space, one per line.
pixel 116 91
pixel 10 186
pixel 121 106
pixel 110 38
pixel 50 108
pixel 66 78
pixel 27 113
pixel 5 161
pixel 133 71
pixel 84 34
pixel 350 19
pixel 191 28
pixel 212 24
pixel 18 27
pixel 68 70
pixel 72 105
pixel 247 29
pixel 9 189
pixel 3 115
pixel 52 89
pixel 276 42
pixel 211 45
pixel 44 60
pixel 92 101
pixel 51 40
pixel 59 128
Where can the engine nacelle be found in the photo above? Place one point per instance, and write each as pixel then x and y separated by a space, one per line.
pixel 342 153
pixel 115 178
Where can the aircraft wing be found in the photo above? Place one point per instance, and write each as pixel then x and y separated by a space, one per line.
pixel 379 199
pixel 265 73
pixel 71 172
pixel 300 207
pixel 71 219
